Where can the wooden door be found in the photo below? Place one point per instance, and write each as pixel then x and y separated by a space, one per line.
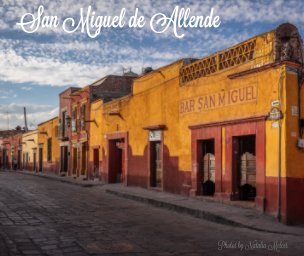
pixel 235 167
pixel 122 164
pixel 40 159
pixel 74 171
pixel 96 161
pixel 34 159
pixel 121 158
pixel 156 164
pixel 65 159
pixel 83 159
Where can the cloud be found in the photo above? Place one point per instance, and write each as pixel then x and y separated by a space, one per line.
pixel 76 60
pixel 6 94
pixel 241 12
pixel 16 108
pixel 12 114
pixel 57 59
pixel 43 71
pixel 26 88
pixel 62 64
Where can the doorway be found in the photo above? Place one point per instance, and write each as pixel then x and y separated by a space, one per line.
pixel 156 176
pixel 117 159
pixel 74 170
pixel 96 163
pixel 83 159
pixel 34 161
pixel 40 159
pixel 244 167
pixel 19 159
pixel 207 166
pixel 64 159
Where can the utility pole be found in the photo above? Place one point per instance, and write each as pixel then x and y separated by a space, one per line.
pixel 25 121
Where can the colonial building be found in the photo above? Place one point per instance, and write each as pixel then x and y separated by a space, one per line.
pixel 229 126
pixel 12 151
pixel 10 148
pixel 65 130
pixel 48 146
pixel 107 88
pixel 29 151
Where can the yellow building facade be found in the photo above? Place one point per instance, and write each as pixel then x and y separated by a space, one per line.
pixel 29 151
pixel 229 126
pixel 96 137
pixel 48 146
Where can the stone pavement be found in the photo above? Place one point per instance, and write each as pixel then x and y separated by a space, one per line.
pixel 66 179
pixel 195 206
pixel 40 216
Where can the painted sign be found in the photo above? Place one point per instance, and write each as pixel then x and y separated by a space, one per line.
pixel 275 103
pixel 275 114
pixel 220 99
pixel 155 135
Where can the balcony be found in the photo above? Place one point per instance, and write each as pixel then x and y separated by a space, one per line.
pixel 234 56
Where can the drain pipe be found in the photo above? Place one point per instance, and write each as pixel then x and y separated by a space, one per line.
pixel 279 173
pixel 279 147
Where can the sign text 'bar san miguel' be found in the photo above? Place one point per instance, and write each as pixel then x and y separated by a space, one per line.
pixel 219 99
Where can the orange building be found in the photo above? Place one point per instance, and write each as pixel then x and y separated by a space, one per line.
pixel 65 113
pixel 106 88
pixel 96 137
pixel 48 146
pixel 228 126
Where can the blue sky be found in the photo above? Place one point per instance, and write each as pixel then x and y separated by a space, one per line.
pixel 35 68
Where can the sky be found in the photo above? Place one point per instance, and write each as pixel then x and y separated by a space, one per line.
pixel 36 67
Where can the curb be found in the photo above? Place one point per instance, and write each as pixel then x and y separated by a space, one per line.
pixel 62 180
pixel 197 213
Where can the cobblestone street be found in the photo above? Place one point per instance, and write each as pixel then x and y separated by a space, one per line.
pixel 44 217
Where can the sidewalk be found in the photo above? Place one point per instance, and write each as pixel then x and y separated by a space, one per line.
pixel 66 179
pixel 208 210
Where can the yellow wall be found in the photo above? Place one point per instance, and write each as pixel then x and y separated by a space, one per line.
pixel 160 105
pixel 29 144
pixel 96 136
pixel 273 129
pixel 159 98
pixel 49 129
pixel 294 156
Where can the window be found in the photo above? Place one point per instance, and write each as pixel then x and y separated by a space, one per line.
pixel 63 123
pixel 74 120
pixel 49 149
pixel 82 116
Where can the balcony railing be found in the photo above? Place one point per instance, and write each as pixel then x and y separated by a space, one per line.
pixel 237 55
